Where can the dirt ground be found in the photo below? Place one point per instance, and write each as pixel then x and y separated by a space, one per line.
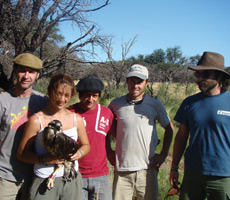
pixel 168 161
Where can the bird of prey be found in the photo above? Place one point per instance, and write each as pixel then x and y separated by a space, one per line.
pixel 62 146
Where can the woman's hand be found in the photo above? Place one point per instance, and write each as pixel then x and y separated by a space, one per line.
pixel 79 154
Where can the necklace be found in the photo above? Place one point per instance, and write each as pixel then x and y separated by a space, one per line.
pixel 134 102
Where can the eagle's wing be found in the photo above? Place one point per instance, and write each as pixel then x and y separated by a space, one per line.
pixel 60 145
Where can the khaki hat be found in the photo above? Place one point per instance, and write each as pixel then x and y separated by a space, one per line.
pixel 211 61
pixel 28 60
pixel 138 71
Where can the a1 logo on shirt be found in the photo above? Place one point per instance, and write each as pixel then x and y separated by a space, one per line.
pixel 103 122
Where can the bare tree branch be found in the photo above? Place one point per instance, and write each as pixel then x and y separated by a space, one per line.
pixel 27 25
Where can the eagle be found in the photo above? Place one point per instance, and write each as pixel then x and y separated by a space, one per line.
pixel 62 146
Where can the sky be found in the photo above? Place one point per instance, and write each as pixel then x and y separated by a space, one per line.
pixel 194 25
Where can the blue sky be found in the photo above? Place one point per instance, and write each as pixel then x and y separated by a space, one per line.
pixel 194 25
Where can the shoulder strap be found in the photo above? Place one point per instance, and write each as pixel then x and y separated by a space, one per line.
pixel 39 120
pixel 74 120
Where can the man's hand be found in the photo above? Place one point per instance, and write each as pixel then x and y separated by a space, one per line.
pixel 173 177
pixel 111 157
pixel 157 160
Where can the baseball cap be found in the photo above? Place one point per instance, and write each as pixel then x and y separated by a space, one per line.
pixel 138 71
pixel 28 60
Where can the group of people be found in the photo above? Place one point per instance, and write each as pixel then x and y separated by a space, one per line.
pixel 204 118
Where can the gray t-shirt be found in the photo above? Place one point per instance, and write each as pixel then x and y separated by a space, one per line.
pixel 14 113
pixel 136 136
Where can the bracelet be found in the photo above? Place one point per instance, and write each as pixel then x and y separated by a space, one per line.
pixel 82 154
pixel 174 169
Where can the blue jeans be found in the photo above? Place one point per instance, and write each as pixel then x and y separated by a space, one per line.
pixel 96 188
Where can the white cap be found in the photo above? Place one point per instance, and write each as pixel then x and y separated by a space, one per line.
pixel 138 71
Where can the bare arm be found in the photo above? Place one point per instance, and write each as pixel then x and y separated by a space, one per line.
pixel 24 153
pixel 82 139
pixel 167 139
pixel 178 150
pixel 109 150
pixel 158 159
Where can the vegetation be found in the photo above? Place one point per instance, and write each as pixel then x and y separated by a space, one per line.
pixel 32 26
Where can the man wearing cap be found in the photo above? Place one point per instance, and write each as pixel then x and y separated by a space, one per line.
pixel 16 106
pixel 205 121
pixel 98 121
pixel 136 163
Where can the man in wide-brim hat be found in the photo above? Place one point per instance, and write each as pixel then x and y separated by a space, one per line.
pixel 205 120
pixel 211 63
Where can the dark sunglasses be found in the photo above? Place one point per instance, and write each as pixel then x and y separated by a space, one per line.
pixel 205 74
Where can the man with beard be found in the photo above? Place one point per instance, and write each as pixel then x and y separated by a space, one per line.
pixel 205 121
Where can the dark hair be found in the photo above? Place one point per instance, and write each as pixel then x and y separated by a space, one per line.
pixel 58 79
pixel 80 94
pixel 224 81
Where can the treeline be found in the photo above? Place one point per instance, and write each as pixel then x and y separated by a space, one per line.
pixel 164 66
pixel 33 26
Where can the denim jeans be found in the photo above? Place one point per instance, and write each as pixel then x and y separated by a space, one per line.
pixel 96 188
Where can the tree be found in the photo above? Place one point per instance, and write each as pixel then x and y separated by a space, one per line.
pixel 25 26
pixel 174 55
pixel 118 68
pixel 193 60
pixel 158 56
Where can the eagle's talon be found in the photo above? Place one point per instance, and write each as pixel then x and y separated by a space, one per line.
pixel 50 183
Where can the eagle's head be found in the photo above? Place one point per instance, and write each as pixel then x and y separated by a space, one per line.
pixel 56 125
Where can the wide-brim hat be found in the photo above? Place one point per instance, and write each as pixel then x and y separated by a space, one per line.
pixel 28 60
pixel 211 61
pixel 139 71
pixel 90 84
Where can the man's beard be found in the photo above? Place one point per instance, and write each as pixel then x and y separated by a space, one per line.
pixel 205 87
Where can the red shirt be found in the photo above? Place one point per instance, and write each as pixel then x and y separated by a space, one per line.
pixel 98 123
